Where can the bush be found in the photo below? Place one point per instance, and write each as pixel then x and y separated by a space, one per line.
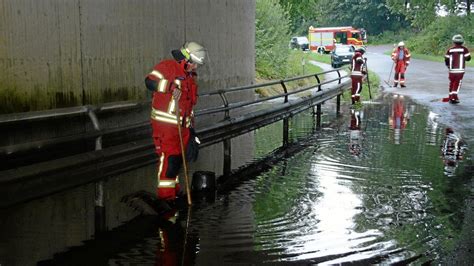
pixel 271 39
pixel 390 37
pixel 436 38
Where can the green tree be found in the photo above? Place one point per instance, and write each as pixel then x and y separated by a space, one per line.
pixel 420 13
pixel 436 37
pixel 373 15
pixel 301 14
pixel 271 41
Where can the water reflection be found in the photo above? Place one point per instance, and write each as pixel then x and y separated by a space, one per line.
pixel 432 128
pixel 355 134
pixel 398 118
pixel 173 249
pixel 452 151
pixel 393 204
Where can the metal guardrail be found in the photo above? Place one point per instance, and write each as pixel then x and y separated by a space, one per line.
pixel 40 178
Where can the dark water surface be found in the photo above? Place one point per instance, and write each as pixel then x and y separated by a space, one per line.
pixel 384 184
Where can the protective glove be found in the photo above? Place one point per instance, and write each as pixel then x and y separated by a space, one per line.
pixel 192 150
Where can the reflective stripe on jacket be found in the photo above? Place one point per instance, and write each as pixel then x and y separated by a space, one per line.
pixel 456 57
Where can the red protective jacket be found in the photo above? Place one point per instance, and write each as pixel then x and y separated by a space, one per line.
pixel 169 74
pixel 357 65
pixel 456 57
pixel 405 58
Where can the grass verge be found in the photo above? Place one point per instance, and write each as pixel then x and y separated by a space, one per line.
pixel 297 65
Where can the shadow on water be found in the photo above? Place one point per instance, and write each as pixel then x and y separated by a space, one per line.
pixel 383 184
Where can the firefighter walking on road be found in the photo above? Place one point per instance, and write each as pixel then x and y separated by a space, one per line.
pixel 455 59
pixel 174 88
pixel 357 73
pixel 401 58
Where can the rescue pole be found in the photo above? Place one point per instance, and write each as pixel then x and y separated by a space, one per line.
pixel 390 75
pixel 393 66
pixel 368 81
pixel 183 154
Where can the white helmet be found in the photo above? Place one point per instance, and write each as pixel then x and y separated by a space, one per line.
pixel 194 52
pixel 360 50
pixel 401 44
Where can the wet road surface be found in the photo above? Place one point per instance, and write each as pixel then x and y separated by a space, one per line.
pixel 427 83
pixel 371 187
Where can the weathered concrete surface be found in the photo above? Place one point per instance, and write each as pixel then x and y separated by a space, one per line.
pixel 75 52
pixel 427 83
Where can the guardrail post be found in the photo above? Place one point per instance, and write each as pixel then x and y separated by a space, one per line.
pixel 227 142
pixel 319 82
pixel 99 209
pixel 338 98
pixel 227 157
pixel 318 116
pixel 226 104
pixel 318 107
pixel 338 105
pixel 286 130
pixel 286 121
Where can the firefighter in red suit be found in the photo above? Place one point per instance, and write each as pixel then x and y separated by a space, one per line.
pixel 357 73
pixel 401 57
pixel 455 59
pixel 174 88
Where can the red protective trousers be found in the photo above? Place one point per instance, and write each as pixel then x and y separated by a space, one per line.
pixel 400 68
pixel 168 150
pixel 356 88
pixel 455 82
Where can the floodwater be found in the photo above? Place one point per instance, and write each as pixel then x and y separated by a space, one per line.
pixel 383 184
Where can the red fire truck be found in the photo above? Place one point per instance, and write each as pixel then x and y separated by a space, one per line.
pixel 324 40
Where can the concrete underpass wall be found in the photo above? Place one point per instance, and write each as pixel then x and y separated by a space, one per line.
pixel 75 52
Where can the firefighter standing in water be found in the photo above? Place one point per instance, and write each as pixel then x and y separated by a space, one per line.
pixel 401 59
pixel 455 59
pixel 357 73
pixel 174 88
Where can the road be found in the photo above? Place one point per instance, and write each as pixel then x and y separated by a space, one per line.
pixel 427 83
